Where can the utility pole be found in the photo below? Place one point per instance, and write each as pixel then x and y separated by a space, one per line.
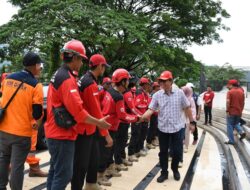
pixel 202 78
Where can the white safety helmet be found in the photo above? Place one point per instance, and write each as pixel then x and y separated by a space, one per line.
pixel 189 84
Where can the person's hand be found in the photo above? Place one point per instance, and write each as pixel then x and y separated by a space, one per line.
pixel 144 119
pixel 103 124
pixel 109 141
pixel 198 117
pixel 35 126
pixel 139 119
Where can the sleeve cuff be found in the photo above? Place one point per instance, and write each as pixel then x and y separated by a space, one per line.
pixel 104 132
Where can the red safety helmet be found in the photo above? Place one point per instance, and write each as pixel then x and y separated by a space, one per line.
pixel 165 75
pixel 144 80
pixel 156 84
pixel 106 80
pixel 75 47
pixel 97 59
pixel 120 74
pixel 232 82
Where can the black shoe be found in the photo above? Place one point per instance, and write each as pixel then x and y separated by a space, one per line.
pixel 210 124
pixel 177 176
pixel 228 142
pixel 162 178
pixel 242 135
pixel 242 122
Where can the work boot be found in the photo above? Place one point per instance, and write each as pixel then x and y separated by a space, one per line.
pixel 92 186
pixel 121 167
pixel 35 171
pixel 194 142
pixel 113 172
pixel 150 146
pixel 242 135
pixel 132 158
pixel 103 180
pixel 177 175
pixel 155 142
pixel 180 165
pixel 137 155
pixel 185 150
pixel 127 163
pixel 143 153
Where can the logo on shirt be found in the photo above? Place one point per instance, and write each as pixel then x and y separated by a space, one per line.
pixel 73 90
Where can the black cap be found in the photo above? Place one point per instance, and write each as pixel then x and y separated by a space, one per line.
pixel 31 58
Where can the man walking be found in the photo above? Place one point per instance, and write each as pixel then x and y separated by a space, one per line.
pixel 234 108
pixel 170 103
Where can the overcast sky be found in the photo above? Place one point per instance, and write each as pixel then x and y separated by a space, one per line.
pixel 235 48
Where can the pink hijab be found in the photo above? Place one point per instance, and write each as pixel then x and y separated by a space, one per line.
pixel 187 91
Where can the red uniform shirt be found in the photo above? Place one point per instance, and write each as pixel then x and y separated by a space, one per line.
pixel 141 100
pixel 63 90
pixel 102 93
pixel 113 105
pixel 236 99
pixel 208 98
pixel 89 93
pixel 130 104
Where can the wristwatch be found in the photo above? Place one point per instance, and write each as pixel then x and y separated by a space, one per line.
pixel 193 122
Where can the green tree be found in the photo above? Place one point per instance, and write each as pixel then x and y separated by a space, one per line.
pixel 218 76
pixel 145 36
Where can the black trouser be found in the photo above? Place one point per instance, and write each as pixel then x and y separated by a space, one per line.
pixel 13 150
pixel 106 153
pixel 144 131
pixel 171 146
pixel 86 160
pixel 134 139
pixel 195 133
pixel 164 142
pixel 152 130
pixel 208 114
pixel 121 141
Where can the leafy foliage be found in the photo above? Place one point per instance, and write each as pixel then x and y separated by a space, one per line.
pixel 146 36
pixel 223 73
pixel 218 76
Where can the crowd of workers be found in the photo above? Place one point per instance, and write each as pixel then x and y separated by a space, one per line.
pixel 87 124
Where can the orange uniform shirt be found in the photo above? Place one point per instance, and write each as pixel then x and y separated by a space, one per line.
pixel 18 116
